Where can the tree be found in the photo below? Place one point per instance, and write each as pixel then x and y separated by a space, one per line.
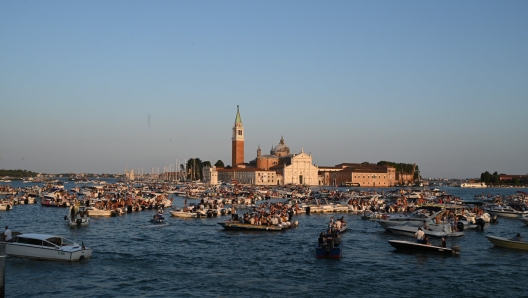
pixel 219 164
pixel 206 164
pixel 194 169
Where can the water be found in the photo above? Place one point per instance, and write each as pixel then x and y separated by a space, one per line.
pixel 196 258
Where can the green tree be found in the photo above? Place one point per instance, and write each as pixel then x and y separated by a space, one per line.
pixel 194 169
pixel 219 164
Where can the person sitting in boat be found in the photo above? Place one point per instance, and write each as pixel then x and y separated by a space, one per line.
pixel 517 237
pixel 321 239
pixel 443 242
pixel 426 241
pixel 8 237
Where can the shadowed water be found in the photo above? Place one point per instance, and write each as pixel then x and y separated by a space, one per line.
pixel 196 258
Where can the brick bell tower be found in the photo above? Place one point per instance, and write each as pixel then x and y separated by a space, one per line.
pixel 237 145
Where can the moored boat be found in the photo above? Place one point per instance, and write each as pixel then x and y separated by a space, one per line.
pixel 78 216
pixel 507 243
pixel 408 246
pixel 237 225
pixel 49 247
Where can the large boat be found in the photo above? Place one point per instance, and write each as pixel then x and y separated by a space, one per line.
pixel 473 185
pixel 49 247
pixel 505 211
pixel 237 225
pixel 432 230
pixel 408 246
pixel 508 243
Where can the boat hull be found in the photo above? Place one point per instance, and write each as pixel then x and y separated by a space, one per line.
pixel 242 226
pixel 329 253
pixel 47 253
pixel 183 214
pixel 408 246
pixel 507 243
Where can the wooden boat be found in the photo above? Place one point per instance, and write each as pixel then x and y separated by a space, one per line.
pixel 237 225
pixel 508 243
pixel 329 252
pixel 49 247
pixel 408 246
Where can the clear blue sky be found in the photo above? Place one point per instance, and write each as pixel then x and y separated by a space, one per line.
pixel 93 86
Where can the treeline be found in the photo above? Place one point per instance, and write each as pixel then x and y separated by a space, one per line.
pixel 17 173
pixel 195 166
pixel 402 168
pixel 494 179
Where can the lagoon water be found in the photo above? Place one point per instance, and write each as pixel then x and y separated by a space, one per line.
pixel 197 258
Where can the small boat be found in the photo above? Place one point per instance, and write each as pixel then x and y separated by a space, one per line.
pixel 408 246
pixel 49 247
pixel 508 243
pixel 237 225
pixel 158 218
pixel 183 214
pixel 329 249
pixel 94 211
pixel 78 216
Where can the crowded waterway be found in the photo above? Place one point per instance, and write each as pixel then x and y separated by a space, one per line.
pixel 196 257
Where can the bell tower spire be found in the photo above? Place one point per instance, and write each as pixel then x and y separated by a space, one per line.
pixel 237 141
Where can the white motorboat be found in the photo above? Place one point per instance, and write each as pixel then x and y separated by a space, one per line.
pixel 183 214
pixel 524 219
pixel 433 230
pixel 505 211
pixel 49 247
pixel 417 219
pixel 78 216
pixel 94 211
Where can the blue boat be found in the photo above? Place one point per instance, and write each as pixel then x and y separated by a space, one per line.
pixel 329 249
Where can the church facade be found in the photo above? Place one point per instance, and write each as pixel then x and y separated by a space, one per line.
pixel 280 167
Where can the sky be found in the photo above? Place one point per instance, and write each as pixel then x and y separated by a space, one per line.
pixel 97 86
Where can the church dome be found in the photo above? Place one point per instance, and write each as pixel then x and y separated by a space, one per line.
pixel 281 149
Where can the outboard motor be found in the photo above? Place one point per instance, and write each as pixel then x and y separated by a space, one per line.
pixel 480 223
pixel 308 210
pixel 460 227
pixel 209 213
pixel 129 209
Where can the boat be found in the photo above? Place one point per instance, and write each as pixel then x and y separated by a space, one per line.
pixel 508 243
pixel 473 185
pixel 158 218
pixel 408 246
pixel 94 211
pixel 505 211
pixel 183 214
pixel 48 247
pixel 524 219
pixel 328 249
pixel 433 230
pixel 78 216
pixel 237 225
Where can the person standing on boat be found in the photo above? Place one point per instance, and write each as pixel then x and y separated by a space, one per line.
pixel 7 234
pixel 419 235
pixel 516 238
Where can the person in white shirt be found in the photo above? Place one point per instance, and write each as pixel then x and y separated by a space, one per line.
pixel 419 235
pixel 7 234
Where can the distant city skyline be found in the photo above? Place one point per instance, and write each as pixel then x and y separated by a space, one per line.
pixel 92 87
